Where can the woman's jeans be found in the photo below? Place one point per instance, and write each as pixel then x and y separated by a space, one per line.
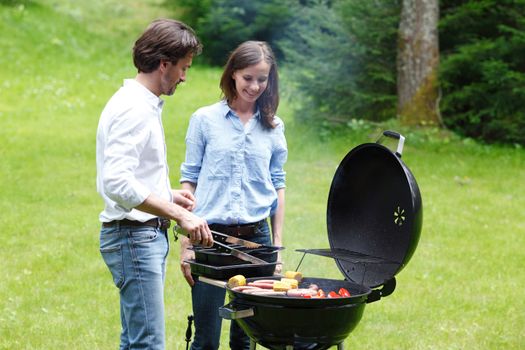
pixel 136 257
pixel 207 300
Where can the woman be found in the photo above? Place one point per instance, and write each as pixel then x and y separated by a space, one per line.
pixel 235 153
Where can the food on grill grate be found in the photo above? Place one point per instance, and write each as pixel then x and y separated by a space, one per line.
pixel 235 281
pixel 313 286
pixel 343 292
pixel 333 294
pixel 262 284
pixel 294 275
pixel 292 282
pixel 280 286
pixel 285 287
pixel 301 292
pixel 244 288
pixel 265 292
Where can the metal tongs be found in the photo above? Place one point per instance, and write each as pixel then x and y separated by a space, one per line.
pixel 219 240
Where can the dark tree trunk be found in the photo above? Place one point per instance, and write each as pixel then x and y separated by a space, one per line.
pixel 417 63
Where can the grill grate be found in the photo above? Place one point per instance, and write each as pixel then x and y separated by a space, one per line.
pixel 347 255
pixel 355 258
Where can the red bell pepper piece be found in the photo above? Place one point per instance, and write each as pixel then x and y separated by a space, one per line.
pixel 344 293
pixel 333 294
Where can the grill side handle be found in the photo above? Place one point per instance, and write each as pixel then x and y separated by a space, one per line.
pixel 387 289
pixel 229 313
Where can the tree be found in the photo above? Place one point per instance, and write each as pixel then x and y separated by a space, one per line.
pixel 418 62
pixel 341 56
pixel 224 24
pixel 482 70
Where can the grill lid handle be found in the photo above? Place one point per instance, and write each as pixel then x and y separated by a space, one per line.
pixel 376 294
pixel 394 135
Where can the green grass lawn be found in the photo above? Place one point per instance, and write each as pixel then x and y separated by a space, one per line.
pixel 59 64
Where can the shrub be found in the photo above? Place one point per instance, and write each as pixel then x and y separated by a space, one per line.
pixel 482 72
pixel 342 58
pixel 224 24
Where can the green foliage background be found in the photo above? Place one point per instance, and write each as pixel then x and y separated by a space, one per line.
pixel 224 24
pixel 482 69
pixel 341 55
pixel 342 60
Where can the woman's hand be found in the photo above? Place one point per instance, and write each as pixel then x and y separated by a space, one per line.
pixel 186 254
pixel 184 198
pixel 279 266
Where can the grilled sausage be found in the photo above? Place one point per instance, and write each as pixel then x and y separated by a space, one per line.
pixel 313 286
pixel 264 285
pixel 243 288
pixel 266 292
pixel 264 281
pixel 301 292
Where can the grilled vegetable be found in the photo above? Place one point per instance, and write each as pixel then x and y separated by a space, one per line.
pixel 294 275
pixel 343 292
pixel 292 282
pixel 235 281
pixel 279 286
pixel 333 294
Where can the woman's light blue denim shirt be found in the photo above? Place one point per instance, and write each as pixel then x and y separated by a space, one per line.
pixel 236 168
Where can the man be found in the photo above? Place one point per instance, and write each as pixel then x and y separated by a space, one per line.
pixel 132 178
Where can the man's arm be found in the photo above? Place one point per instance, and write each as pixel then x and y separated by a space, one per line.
pixel 196 227
pixel 185 253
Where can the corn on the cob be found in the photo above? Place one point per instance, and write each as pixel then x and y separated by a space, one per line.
pixel 235 281
pixel 292 282
pixel 279 286
pixel 294 275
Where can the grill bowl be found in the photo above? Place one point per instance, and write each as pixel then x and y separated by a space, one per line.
pixel 279 321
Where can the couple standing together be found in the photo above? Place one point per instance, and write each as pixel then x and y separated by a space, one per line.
pixel 232 176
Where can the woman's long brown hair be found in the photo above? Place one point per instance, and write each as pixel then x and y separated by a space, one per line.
pixel 247 54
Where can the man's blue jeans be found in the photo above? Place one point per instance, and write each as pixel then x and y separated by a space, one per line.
pixel 206 302
pixel 136 257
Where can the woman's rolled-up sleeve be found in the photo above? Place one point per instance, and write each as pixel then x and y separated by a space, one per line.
pixel 279 157
pixel 195 146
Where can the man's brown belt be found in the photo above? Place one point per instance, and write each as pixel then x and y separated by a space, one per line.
pixel 159 223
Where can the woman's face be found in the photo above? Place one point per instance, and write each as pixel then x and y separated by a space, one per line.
pixel 251 81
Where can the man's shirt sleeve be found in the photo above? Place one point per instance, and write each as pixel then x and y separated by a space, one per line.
pixel 128 134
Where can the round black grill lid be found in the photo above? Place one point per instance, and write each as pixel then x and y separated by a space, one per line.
pixel 374 214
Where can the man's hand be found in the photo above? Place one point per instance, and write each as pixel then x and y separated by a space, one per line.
pixel 186 254
pixel 184 198
pixel 197 229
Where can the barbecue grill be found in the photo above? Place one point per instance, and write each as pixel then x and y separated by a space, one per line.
pixel 374 220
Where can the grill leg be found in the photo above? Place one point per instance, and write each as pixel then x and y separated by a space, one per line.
pixel 253 344
pixel 340 346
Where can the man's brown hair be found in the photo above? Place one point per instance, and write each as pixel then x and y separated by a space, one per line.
pixel 164 39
